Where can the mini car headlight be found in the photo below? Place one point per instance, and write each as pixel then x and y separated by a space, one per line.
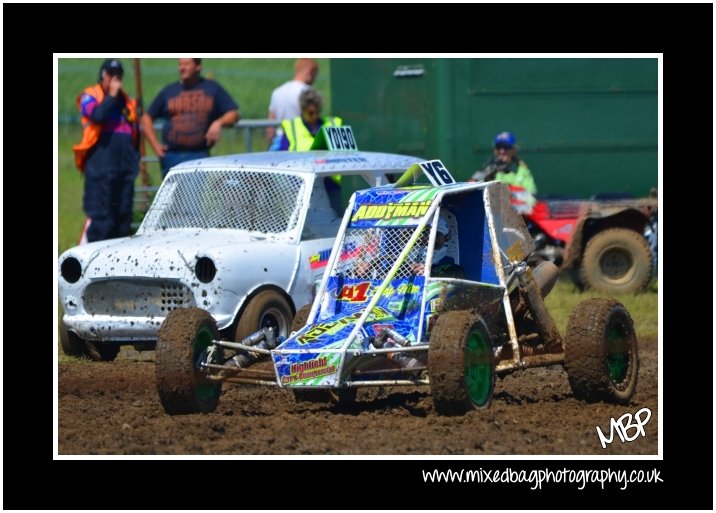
pixel 71 269
pixel 205 269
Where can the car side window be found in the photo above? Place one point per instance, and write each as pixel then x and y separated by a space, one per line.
pixel 322 221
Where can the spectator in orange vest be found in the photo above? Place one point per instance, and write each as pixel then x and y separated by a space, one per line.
pixel 107 154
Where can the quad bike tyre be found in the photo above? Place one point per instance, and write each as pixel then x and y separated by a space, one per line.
pixel 616 261
pixel 601 354
pixel 182 339
pixel 267 308
pixel 319 395
pixel 460 363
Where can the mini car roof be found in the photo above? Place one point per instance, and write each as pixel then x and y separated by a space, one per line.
pixel 316 162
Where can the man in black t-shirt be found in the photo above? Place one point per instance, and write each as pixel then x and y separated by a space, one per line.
pixel 195 110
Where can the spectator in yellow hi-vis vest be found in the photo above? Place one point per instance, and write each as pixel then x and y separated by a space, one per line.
pixel 299 132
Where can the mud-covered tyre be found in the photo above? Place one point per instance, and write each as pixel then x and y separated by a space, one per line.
pixel 101 351
pixel 616 261
pixel 182 339
pixel 299 320
pixel 601 354
pixel 267 308
pixel 326 395
pixel 71 343
pixel 460 364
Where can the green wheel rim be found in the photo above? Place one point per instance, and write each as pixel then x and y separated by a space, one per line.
pixel 478 369
pixel 204 391
pixel 617 354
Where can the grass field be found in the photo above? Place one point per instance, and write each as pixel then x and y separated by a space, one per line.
pixel 642 307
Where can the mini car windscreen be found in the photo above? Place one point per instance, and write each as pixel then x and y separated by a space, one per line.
pixel 234 199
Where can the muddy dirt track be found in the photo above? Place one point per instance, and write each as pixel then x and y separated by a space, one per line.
pixel 113 408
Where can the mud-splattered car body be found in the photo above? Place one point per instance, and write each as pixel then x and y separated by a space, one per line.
pixel 220 232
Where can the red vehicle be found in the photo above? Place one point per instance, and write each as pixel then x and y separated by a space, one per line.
pixel 606 244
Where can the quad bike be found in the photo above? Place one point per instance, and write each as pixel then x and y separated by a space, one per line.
pixel 385 315
pixel 608 243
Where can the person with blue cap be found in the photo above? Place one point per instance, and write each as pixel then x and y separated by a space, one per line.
pixel 505 166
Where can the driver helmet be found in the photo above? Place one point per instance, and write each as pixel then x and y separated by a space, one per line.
pixel 441 252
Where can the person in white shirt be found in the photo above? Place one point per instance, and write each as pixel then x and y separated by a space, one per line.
pixel 284 99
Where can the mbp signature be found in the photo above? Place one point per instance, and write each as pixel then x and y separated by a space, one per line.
pixel 623 425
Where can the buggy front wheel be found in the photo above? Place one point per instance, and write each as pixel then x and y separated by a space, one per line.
pixel 460 364
pixel 184 337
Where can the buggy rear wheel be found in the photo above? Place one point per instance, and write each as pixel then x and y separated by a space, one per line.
pixel 460 364
pixel 183 340
pixel 601 354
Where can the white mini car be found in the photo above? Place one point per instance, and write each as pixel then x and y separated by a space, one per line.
pixel 245 237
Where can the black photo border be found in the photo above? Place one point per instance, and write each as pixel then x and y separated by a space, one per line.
pixel 682 33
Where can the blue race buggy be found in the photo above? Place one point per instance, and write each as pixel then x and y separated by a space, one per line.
pixel 387 313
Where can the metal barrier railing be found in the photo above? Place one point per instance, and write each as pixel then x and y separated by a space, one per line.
pixel 246 124
pixel 143 195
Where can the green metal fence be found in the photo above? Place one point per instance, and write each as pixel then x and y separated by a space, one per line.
pixel 583 126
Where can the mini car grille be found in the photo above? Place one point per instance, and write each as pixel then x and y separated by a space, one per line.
pixel 234 199
pixel 136 298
